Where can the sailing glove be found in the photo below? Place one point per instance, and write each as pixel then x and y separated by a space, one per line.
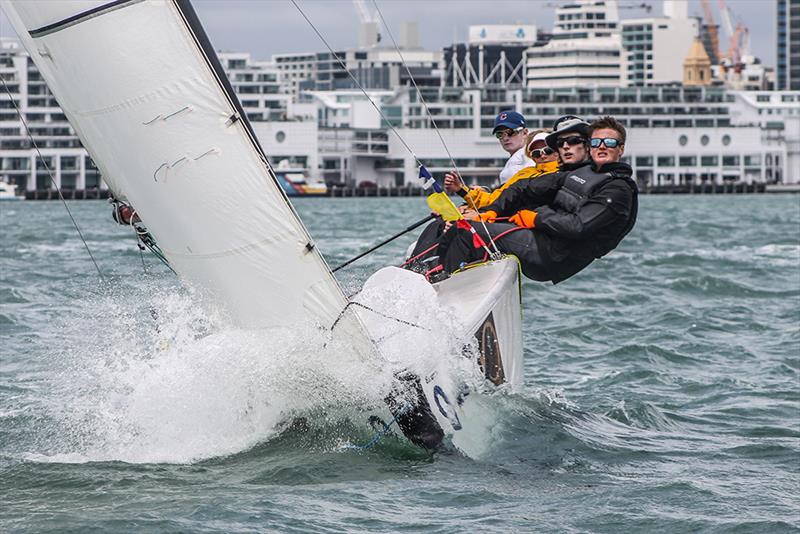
pixel 524 218
pixel 487 216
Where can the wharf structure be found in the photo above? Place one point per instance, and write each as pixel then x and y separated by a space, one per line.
pixel 308 115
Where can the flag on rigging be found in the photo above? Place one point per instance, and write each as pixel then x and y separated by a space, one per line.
pixel 438 201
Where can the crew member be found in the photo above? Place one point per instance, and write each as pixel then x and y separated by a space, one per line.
pixel 511 130
pixel 544 158
pixel 562 221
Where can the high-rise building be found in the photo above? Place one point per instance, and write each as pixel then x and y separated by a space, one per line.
pixel 585 49
pixel 788 45
pixel 376 67
pixel 655 48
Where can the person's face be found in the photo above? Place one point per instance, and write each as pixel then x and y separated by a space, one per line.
pixel 602 153
pixel 511 140
pixel 539 155
pixel 572 148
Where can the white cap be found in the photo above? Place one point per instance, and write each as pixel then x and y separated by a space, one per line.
pixel 541 136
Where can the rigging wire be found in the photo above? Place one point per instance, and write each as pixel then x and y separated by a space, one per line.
pixel 383 116
pixel 52 180
pixel 433 121
pixel 342 64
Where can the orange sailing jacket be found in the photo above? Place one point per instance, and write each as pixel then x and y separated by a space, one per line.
pixel 482 198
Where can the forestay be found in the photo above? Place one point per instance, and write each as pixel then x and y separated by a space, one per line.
pixel 142 87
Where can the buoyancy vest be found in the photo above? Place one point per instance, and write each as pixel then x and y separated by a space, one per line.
pixel 579 186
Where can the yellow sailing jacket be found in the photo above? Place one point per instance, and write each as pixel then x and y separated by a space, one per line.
pixel 483 198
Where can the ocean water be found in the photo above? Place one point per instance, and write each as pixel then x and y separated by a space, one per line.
pixel 662 390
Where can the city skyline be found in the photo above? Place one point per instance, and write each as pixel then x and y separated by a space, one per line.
pixel 267 27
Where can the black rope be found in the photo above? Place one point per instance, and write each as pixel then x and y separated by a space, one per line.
pixel 385 241
pixel 385 316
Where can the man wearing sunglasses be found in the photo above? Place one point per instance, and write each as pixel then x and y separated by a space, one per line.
pixel 511 131
pixel 565 220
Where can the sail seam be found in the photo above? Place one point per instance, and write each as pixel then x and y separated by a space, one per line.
pixel 81 17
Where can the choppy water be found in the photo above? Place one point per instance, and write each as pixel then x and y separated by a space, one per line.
pixel 662 390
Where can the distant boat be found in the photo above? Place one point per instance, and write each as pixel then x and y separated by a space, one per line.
pixel 295 181
pixel 9 191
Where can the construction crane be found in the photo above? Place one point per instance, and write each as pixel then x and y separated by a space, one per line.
pixel 708 18
pixel 366 16
pixel 739 40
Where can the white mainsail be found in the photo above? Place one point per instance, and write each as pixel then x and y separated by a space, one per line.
pixel 142 87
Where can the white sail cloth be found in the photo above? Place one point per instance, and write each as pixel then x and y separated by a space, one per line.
pixel 136 82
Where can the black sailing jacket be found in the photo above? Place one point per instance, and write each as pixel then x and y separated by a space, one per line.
pixel 583 213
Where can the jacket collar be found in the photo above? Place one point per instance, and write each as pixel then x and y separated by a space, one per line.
pixel 619 168
pixel 573 166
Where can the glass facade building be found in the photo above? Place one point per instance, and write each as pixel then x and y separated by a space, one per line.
pixel 788 34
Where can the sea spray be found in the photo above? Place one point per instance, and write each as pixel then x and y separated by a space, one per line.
pixel 151 375
pixel 186 386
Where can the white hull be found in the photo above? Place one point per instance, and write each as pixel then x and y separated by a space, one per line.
pixel 486 300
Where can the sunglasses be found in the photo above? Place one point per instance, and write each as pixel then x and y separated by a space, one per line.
pixel 539 152
pixel 571 141
pixel 508 133
pixel 610 142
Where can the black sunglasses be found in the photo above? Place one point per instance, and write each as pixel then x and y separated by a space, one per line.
pixel 610 142
pixel 571 140
pixel 539 152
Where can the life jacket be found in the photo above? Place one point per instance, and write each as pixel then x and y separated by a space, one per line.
pixel 581 184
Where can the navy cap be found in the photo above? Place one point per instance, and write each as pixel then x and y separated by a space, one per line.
pixel 509 119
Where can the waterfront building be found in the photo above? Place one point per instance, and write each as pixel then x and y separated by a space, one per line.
pixel 493 55
pixel 788 37
pixel 374 67
pixel 297 71
pixel 61 150
pixel 352 139
pixel 287 131
pixel 585 49
pixel 258 84
pixel 676 135
pixel 655 48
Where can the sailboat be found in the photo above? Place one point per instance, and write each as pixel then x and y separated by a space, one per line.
pixel 143 88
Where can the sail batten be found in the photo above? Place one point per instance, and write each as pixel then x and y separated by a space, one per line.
pixel 146 94
pixel 80 17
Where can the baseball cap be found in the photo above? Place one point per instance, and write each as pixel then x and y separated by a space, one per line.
pixel 509 119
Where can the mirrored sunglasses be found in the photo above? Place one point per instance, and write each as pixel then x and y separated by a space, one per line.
pixel 507 133
pixel 610 142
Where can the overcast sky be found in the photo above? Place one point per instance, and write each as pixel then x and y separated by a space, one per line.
pixel 266 27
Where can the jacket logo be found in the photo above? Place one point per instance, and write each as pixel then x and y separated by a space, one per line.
pixel 578 179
